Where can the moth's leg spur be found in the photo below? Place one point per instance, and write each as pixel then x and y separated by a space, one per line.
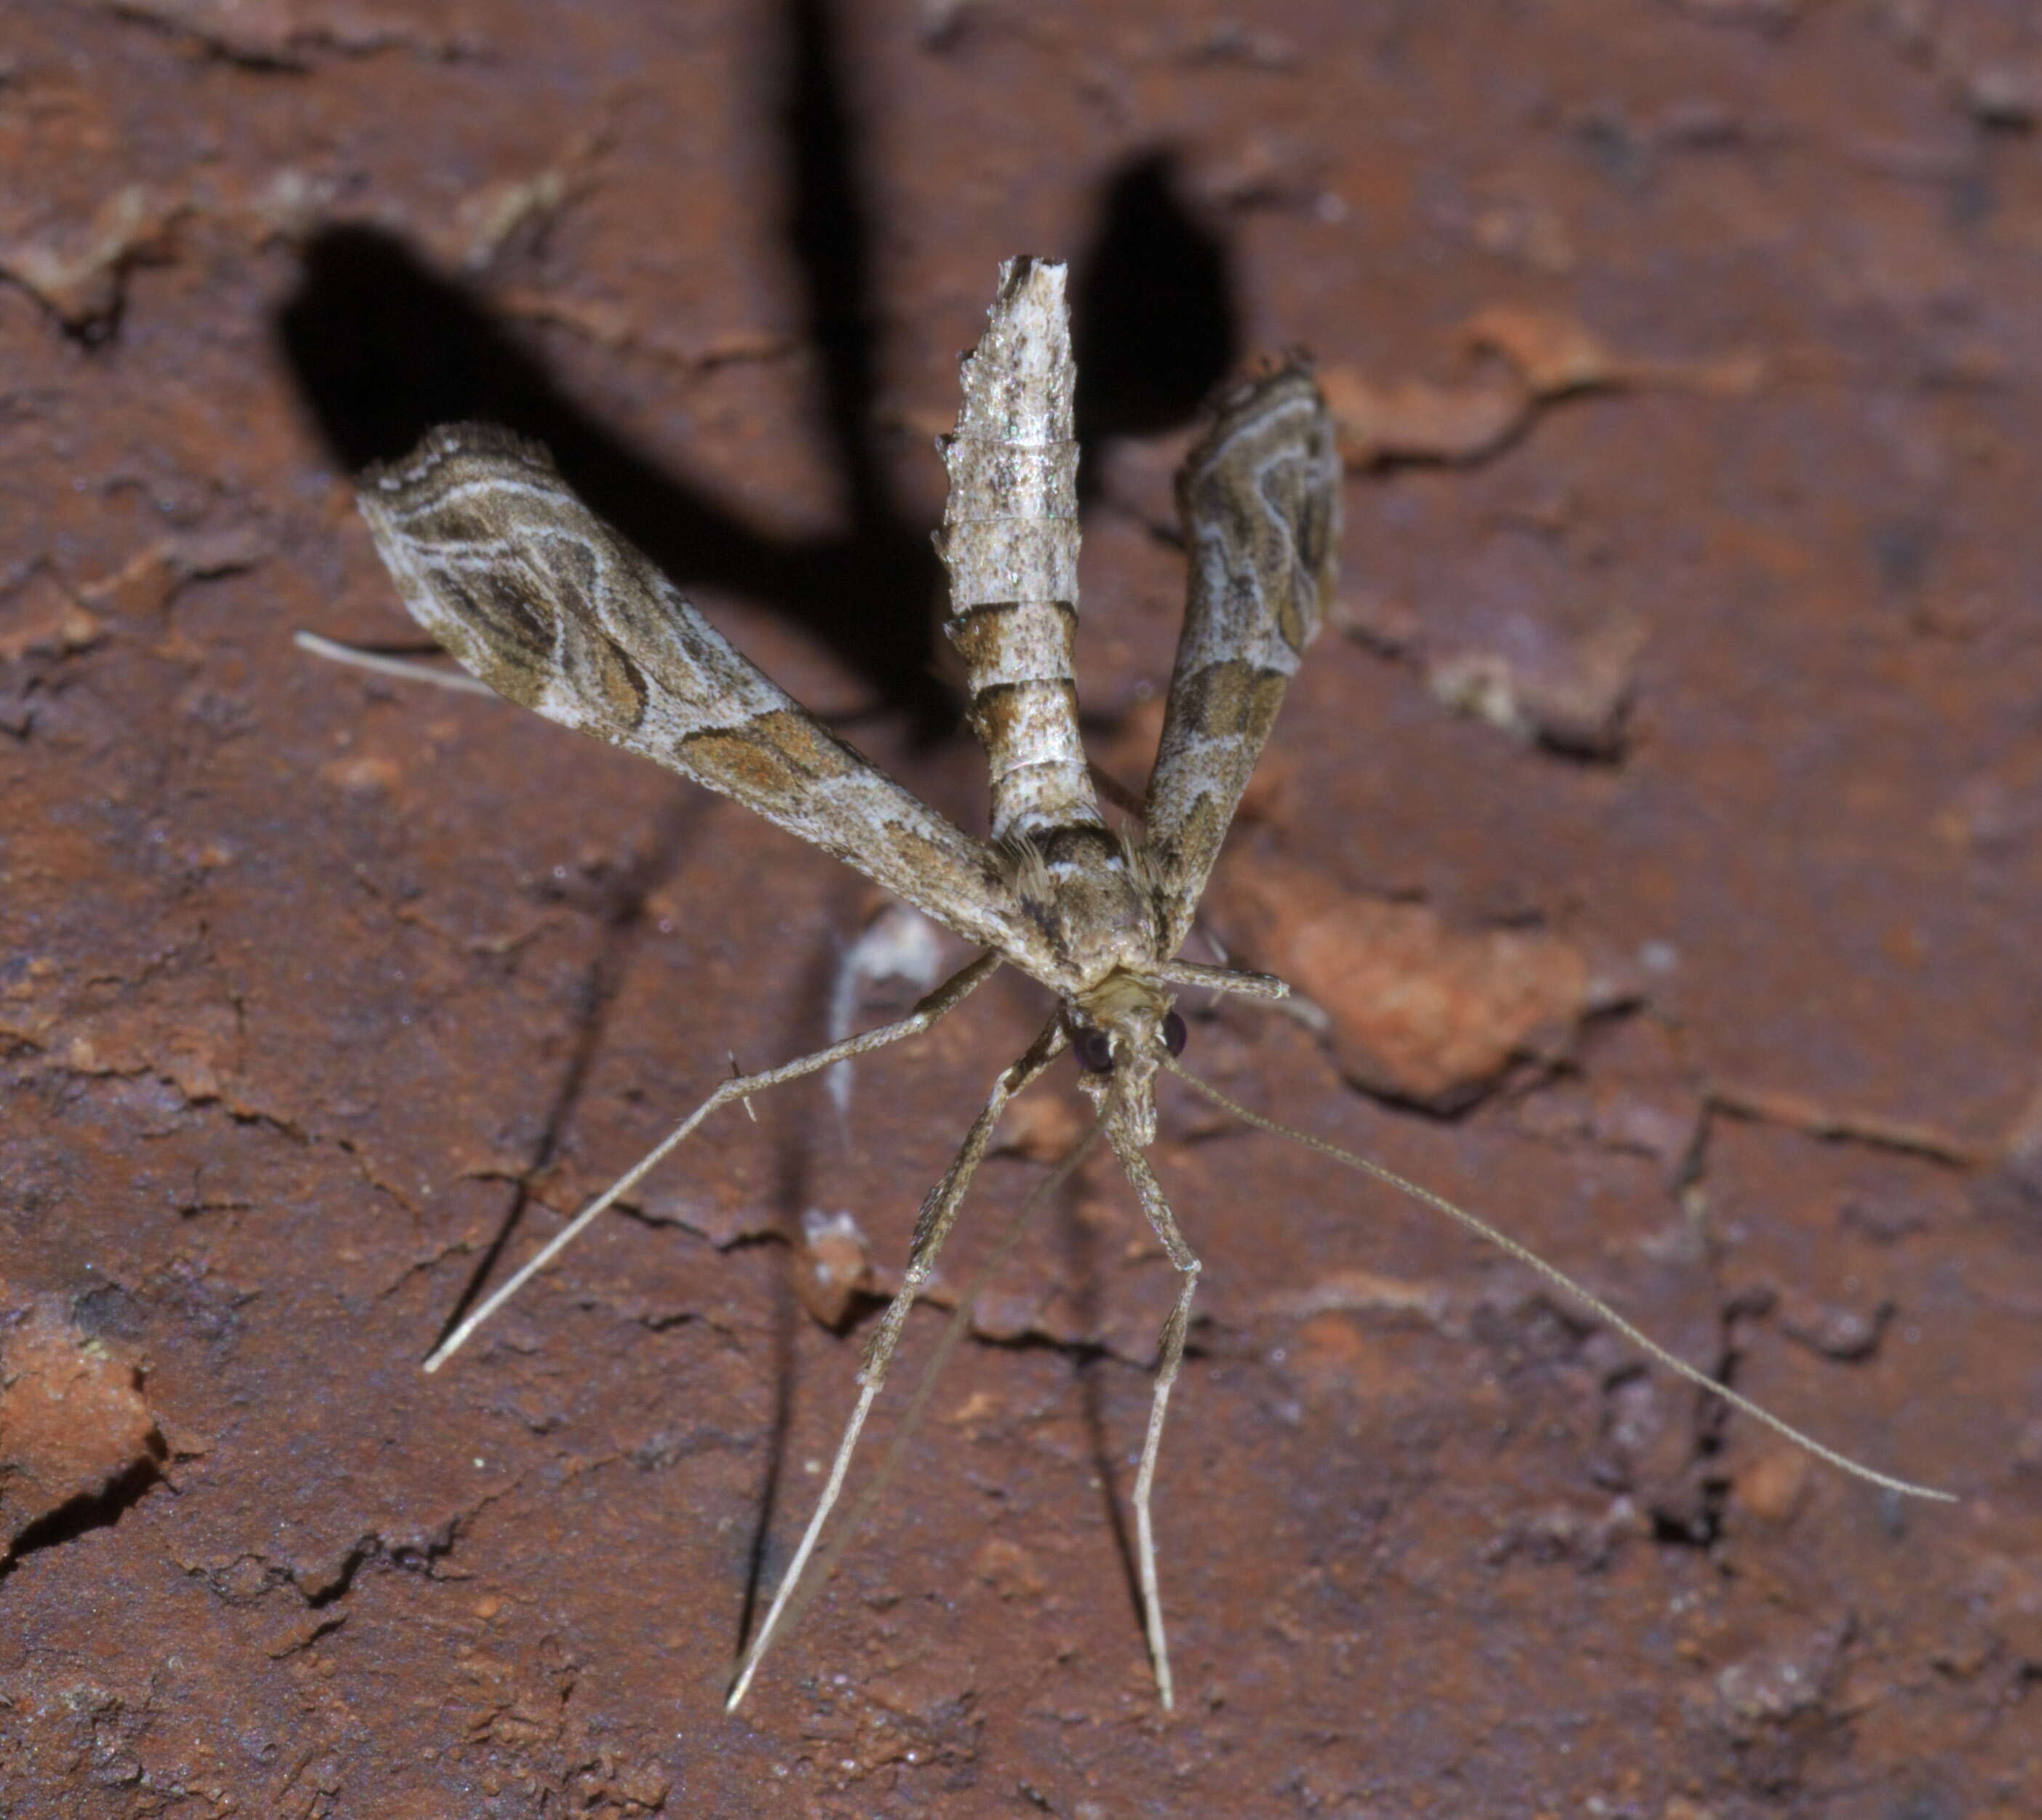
pixel 1170 1355
pixel 947 997
pixel 404 669
pixel 932 1226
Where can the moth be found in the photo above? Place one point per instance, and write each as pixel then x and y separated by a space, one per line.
pixel 533 595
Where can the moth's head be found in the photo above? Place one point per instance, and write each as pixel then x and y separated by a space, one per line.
pixel 1120 1031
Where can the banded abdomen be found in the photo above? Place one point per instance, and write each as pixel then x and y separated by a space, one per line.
pixel 1010 540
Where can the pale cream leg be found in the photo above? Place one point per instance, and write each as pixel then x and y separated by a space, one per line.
pixel 1171 1353
pixel 938 1213
pixel 946 997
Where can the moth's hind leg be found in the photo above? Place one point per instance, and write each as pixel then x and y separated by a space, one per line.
pixel 1171 1354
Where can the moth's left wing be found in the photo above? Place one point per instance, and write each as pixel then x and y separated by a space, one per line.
pixel 1259 498
pixel 532 592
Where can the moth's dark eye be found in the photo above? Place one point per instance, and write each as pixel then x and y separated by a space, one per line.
pixel 1095 1049
pixel 1175 1035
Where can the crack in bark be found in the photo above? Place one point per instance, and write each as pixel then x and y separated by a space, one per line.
pixel 1789 1111
pixel 90 1510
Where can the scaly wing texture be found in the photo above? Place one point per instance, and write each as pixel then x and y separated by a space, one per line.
pixel 1009 539
pixel 530 592
pixel 1259 498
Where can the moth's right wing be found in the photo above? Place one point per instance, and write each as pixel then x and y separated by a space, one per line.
pixel 1260 497
pixel 533 593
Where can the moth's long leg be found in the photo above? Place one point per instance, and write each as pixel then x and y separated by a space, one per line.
pixel 947 997
pixel 932 1226
pixel 954 1330
pixel 1171 1354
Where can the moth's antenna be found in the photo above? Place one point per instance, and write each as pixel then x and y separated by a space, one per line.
pixel 405 669
pixel 1600 1309
pixel 954 1330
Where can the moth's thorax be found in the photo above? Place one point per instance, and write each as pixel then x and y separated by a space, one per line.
pixel 1089 905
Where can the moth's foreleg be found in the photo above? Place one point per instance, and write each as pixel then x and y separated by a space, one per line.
pixel 947 997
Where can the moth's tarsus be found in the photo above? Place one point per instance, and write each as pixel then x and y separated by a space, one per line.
pixel 549 607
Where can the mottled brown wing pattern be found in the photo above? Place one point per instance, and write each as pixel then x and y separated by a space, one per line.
pixel 1010 540
pixel 530 592
pixel 1259 498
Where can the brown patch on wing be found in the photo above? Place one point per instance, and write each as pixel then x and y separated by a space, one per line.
pixel 606 673
pixel 782 754
pixel 1233 699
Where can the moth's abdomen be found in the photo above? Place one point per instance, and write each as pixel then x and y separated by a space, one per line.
pixel 1010 540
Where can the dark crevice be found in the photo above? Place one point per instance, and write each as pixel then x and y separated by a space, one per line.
pixel 1928 1146
pixel 343 1583
pixel 868 1306
pixel 667 1323
pixel 404 1557
pixel 99 1509
pixel 1700 1524
pixel 1693 1162
pixel 662 1222
pixel 1082 1354
pixel 214 45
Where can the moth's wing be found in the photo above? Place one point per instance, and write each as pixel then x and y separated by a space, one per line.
pixel 530 592
pixel 1259 498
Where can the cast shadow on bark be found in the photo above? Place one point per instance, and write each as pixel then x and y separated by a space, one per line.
pixel 1154 325
pixel 622 913
pixel 383 348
